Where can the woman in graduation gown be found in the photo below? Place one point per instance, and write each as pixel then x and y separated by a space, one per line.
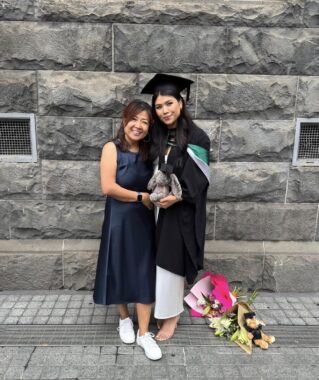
pixel 181 148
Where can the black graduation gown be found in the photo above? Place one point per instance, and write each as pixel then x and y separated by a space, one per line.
pixel 180 231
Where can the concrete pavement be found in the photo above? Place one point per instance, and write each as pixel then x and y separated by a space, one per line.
pixel 63 335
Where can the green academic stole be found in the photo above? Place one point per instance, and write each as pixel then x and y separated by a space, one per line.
pixel 201 158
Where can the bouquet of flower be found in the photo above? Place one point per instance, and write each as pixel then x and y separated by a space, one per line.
pixel 211 297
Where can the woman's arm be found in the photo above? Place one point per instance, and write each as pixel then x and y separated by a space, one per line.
pixel 108 178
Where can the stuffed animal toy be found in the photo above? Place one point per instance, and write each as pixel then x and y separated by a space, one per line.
pixel 255 333
pixel 164 184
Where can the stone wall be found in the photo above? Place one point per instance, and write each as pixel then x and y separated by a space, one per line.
pixel 74 64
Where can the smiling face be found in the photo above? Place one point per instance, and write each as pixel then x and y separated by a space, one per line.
pixel 168 110
pixel 137 128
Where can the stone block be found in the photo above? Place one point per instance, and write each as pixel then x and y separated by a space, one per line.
pixel 307 52
pixel 20 180
pixel 69 46
pixel 5 208
pixel 291 266
pixel 252 13
pixel 246 97
pixel 169 48
pixel 253 221
pixel 18 91
pixel 265 182
pixel 273 51
pixel 56 220
pixel 71 180
pixel 30 265
pixel 66 138
pixel 79 264
pixel 191 104
pixel 17 10
pixel 303 184
pixel 256 140
pixel 308 97
pixel 311 14
pixel 85 93
pixel 212 128
pixel 242 263
pixel 210 221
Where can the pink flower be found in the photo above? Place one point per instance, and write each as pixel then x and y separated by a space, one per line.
pixel 221 290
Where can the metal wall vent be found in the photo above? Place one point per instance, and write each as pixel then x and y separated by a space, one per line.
pixel 306 148
pixel 17 137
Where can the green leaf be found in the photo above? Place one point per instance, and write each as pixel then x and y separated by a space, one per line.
pixel 235 335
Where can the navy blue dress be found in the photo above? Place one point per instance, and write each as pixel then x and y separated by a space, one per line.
pixel 126 264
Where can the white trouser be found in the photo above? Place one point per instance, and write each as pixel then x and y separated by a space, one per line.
pixel 169 294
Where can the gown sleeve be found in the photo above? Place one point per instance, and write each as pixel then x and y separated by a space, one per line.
pixel 193 181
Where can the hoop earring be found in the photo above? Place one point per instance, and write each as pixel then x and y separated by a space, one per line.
pixel 148 140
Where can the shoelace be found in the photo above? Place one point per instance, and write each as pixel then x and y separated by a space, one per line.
pixel 148 337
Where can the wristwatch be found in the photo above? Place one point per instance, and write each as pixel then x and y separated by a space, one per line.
pixel 139 197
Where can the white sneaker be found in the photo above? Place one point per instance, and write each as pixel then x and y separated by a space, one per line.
pixel 126 331
pixel 151 349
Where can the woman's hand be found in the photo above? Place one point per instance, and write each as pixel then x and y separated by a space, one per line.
pixel 146 201
pixel 167 201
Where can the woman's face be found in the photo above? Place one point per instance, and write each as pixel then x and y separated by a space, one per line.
pixel 168 110
pixel 137 128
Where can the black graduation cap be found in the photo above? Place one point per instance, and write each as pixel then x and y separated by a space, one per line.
pixel 164 81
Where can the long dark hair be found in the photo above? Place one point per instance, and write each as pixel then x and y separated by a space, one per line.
pixel 129 112
pixel 160 131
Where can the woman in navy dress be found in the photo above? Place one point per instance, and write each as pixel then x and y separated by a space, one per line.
pixel 126 263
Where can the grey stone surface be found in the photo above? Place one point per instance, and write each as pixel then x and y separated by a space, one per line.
pixel 30 264
pixel 17 9
pixel 291 266
pixel 273 51
pixel 256 140
pixel 246 96
pixel 265 182
pixel 79 269
pixel 303 184
pixel 242 265
pixel 210 221
pixel 70 46
pixel 254 12
pixel 71 180
pixel 20 180
pixel 311 12
pixel 30 271
pixel 273 266
pixel 61 219
pixel 66 138
pixel 174 51
pixel 252 221
pixel 85 93
pixel 5 208
pixel 279 271
pixel 308 95
pixel 212 128
pixel 18 91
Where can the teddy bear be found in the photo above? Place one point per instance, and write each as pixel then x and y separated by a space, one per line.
pixel 163 184
pixel 255 333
